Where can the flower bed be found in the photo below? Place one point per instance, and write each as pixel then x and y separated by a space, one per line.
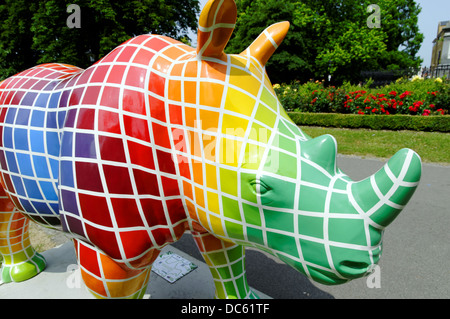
pixel 415 97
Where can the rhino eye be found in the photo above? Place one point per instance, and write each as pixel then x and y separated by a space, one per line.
pixel 260 187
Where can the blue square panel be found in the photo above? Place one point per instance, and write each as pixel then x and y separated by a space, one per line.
pixel 37 141
pixel 21 139
pixel 24 161
pixel 41 166
pixel 49 190
pixel 37 118
pixel 32 189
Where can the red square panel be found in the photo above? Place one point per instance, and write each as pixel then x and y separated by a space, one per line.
pixel 118 180
pixel 156 44
pixel 156 84
pixel 88 176
pixel 135 242
pixel 110 97
pixel 143 57
pixel 84 77
pixel 165 162
pixel 100 74
pixel 105 240
pixel 126 212
pixel 157 108
pixel 86 119
pixel 88 258
pixel 133 101
pixel 153 211
pixel 161 135
pixel 112 149
pixel 162 236
pixel 91 95
pixel 176 116
pixel 136 77
pixel 136 128
pixel 126 54
pixel 116 74
pixel 146 183
pixel 108 122
pixel 95 209
pixel 141 155
pixel 170 186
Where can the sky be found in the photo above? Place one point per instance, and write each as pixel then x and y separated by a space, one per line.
pixel 433 12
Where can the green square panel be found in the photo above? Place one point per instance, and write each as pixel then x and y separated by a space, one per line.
pixel 237 230
pixel 237 268
pixel 284 243
pixel 281 164
pixel 314 252
pixel 312 199
pixel 313 175
pixel 339 204
pixel 310 226
pixel 234 254
pixel 230 208
pixel 251 214
pixel 348 231
pixel 247 187
pixel 255 235
pixel 279 220
pixel 281 193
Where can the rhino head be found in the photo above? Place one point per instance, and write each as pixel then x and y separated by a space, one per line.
pixel 268 184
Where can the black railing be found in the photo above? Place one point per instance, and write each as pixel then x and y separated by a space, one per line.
pixel 384 77
pixel 436 71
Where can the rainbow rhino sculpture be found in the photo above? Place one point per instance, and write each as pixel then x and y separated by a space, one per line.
pixel 157 139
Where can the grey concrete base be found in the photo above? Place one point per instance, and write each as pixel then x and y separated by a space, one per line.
pixel 61 280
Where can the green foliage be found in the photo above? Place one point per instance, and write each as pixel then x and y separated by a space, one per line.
pixel 374 122
pixel 34 32
pixel 332 38
pixel 416 97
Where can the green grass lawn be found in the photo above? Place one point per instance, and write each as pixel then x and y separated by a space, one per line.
pixel 432 147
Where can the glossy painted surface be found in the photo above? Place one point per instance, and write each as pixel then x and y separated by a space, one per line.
pixel 158 138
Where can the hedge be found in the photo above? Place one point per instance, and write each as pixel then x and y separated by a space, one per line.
pixel 374 122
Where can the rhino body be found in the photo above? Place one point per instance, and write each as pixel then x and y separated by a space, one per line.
pixel 158 138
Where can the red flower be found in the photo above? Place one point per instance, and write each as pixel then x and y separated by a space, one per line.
pixel 393 93
pixel 432 106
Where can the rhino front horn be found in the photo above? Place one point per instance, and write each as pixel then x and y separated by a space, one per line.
pixel 382 196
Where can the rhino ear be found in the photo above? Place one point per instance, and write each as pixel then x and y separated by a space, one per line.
pixel 215 26
pixel 267 42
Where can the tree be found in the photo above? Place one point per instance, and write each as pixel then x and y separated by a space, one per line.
pixel 34 32
pixel 329 37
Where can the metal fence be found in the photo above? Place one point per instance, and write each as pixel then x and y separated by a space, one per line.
pixel 436 71
pixel 384 77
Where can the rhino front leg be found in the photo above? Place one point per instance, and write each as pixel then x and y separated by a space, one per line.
pixel 20 261
pixel 226 262
pixel 107 279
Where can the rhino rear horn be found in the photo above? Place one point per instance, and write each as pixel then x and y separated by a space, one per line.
pixel 215 26
pixel 268 41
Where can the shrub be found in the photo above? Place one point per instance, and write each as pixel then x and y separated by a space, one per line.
pixel 375 122
pixel 415 97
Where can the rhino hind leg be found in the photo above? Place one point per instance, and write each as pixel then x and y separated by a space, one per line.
pixel 226 262
pixel 107 279
pixel 20 260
